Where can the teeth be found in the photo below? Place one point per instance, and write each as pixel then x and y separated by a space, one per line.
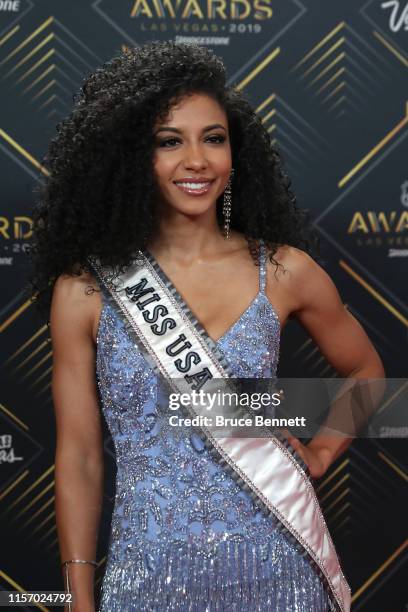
pixel 193 185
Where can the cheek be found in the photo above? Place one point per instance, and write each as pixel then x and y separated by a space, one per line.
pixel 225 168
pixel 160 171
pixel 163 168
pixel 225 161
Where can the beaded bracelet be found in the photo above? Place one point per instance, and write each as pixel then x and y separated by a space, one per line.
pixel 64 565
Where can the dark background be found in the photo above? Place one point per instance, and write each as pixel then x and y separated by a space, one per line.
pixel 329 80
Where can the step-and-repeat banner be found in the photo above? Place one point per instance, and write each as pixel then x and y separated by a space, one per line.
pixel 329 80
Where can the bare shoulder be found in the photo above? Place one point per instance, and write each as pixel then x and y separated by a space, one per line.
pixel 296 277
pixel 76 301
pixel 294 260
pixel 70 286
pixel 294 265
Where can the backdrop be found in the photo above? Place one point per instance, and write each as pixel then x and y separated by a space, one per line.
pixel 329 80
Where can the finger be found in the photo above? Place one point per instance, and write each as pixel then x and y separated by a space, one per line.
pixel 295 442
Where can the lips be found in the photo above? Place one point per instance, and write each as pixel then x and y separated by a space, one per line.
pixel 197 186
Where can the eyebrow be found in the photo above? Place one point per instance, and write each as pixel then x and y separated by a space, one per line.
pixel 206 129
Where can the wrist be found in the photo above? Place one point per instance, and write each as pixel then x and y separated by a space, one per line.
pixel 79 581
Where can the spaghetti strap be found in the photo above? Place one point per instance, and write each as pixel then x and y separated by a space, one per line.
pixel 262 267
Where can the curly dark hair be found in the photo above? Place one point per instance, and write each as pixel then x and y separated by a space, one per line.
pixel 99 196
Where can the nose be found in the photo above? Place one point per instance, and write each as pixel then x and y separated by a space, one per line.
pixel 194 158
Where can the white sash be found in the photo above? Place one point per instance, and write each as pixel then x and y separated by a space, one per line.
pixel 177 349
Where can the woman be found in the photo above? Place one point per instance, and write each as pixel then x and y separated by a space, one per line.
pixel 163 192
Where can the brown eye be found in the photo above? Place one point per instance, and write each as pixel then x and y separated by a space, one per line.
pixel 168 142
pixel 217 138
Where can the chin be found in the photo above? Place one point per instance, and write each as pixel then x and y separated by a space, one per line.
pixel 193 208
pixel 193 211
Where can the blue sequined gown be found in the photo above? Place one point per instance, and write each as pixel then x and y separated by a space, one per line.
pixel 184 535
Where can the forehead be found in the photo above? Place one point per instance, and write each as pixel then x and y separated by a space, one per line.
pixel 195 109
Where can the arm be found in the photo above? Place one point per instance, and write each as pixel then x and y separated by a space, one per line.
pixel 342 341
pixel 79 447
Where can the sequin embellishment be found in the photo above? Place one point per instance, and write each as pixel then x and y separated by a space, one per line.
pixel 184 535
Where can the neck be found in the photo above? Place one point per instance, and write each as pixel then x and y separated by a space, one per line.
pixel 186 238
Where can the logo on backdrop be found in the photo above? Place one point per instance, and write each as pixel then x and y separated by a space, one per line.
pixel 10 6
pixel 11 11
pixel 390 18
pixel 398 15
pixel 15 233
pixel 7 451
pixel 383 228
pixel 229 26
pixel 209 9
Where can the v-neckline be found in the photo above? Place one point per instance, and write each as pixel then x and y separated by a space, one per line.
pixel 187 308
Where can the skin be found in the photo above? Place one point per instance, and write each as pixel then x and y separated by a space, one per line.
pixel 218 280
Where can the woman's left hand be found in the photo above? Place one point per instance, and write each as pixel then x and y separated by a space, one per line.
pixel 316 459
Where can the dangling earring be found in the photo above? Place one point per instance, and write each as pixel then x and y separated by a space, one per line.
pixel 226 208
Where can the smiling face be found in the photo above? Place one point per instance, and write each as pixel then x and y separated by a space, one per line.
pixel 192 161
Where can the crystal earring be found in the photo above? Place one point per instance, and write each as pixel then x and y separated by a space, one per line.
pixel 226 208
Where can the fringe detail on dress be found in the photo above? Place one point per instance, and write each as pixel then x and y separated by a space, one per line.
pixel 264 578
